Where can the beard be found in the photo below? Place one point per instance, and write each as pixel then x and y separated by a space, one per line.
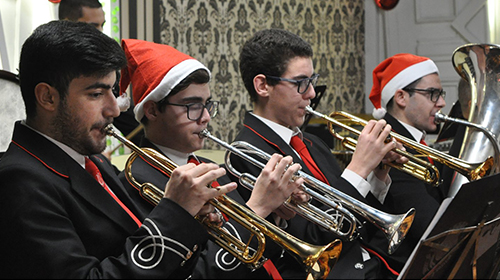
pixel 70 131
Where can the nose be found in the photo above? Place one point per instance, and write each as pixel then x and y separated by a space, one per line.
pixel 111 108
pixel 441 102
pixel 310 92
pixel 205 116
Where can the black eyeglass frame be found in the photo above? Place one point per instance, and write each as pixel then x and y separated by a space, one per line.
pixel 312 80
pixel 433 92
pixel 211 106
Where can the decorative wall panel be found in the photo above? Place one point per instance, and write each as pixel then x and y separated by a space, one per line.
pixel 213 31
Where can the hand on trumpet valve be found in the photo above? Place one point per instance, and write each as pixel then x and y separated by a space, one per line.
pixel 274 186
pixel 371 148
pixel 392 156
pixel 188 186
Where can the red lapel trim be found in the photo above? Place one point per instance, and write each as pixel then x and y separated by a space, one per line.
pixel 265 139
pixel 46 165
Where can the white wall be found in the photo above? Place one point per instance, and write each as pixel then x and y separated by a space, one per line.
pixel 18 19
pixel 428 28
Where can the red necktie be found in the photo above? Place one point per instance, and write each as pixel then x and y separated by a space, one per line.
pixel 301 148
pixel 268 265
pixel 94 171
pixel 423 143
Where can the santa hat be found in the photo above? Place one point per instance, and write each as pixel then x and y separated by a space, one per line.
pixel 154 70
pixel 395 73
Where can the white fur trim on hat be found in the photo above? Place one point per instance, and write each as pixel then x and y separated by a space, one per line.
pixel 406 77
pixel 178 73
pixel 123 102
pixel 378 113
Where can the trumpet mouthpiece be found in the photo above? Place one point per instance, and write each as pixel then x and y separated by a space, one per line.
pixel 108 129
pixel 439 117
pixel 204 133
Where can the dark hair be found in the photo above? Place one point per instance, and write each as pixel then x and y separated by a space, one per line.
pixel 200 76
pixel 413 84
pixel 72 9
pixel 268 52
pixel 60 51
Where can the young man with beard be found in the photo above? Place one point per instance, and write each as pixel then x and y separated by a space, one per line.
pixel 91 12
pixel 407 93
pixel 64 211
pixel 277 70
pixel 173 102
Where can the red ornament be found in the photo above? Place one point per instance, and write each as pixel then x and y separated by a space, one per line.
pixel 55 1
pixel 386 4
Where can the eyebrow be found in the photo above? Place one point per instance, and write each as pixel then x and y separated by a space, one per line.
pixel 194 99
pixel 300 77
pixel 98 85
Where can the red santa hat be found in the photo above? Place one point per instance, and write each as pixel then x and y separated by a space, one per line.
pixel 154 70
pixel 395 73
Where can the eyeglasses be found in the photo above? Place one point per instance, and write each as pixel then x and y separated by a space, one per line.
pixel 435 93
pixel 195 110
pixel 302 84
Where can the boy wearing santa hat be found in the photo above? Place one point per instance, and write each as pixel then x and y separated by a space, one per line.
pixel 173 101
pixel 407 92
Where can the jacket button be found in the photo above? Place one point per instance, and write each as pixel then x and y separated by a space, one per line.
pixel 359 266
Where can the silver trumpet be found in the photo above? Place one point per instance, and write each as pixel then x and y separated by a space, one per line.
pixel 346 226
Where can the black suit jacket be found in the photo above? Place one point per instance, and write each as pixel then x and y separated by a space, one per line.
pixel 58 222
pixel 215 262
pixel 350 264
pixel 406 192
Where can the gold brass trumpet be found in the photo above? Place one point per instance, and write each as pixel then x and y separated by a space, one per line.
pixel 317 260
pixel 419 168
pixel 395 227
pixel 416 167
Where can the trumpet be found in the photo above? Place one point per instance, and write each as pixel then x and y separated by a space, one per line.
pixel 317 260
pixel 472 171
pixel 395 227
pixel 416 167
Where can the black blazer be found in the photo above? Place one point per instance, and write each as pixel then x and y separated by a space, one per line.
pixel 406 192
pixel 60 223
pixel 350 264
pixel 215 262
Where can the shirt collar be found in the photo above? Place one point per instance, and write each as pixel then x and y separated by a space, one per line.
pixel 177 157
pixel 415 133
pixel 80 159
pixel 284 132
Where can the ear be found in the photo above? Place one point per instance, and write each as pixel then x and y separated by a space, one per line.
pixel 150 110
pixel 261 86
pixel 47 96
pixel 401 98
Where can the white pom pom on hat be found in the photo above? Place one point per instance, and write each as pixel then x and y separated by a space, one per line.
pixel 154 70
pixel 395 73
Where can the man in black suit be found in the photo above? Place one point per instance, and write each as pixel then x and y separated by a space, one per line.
pixel 65 213
pixel 174 103
pixel 277 70
pixel 407 93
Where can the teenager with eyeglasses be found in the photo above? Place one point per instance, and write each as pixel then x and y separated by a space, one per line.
pixel 277 70
pixel 174 103
pixel 407 92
